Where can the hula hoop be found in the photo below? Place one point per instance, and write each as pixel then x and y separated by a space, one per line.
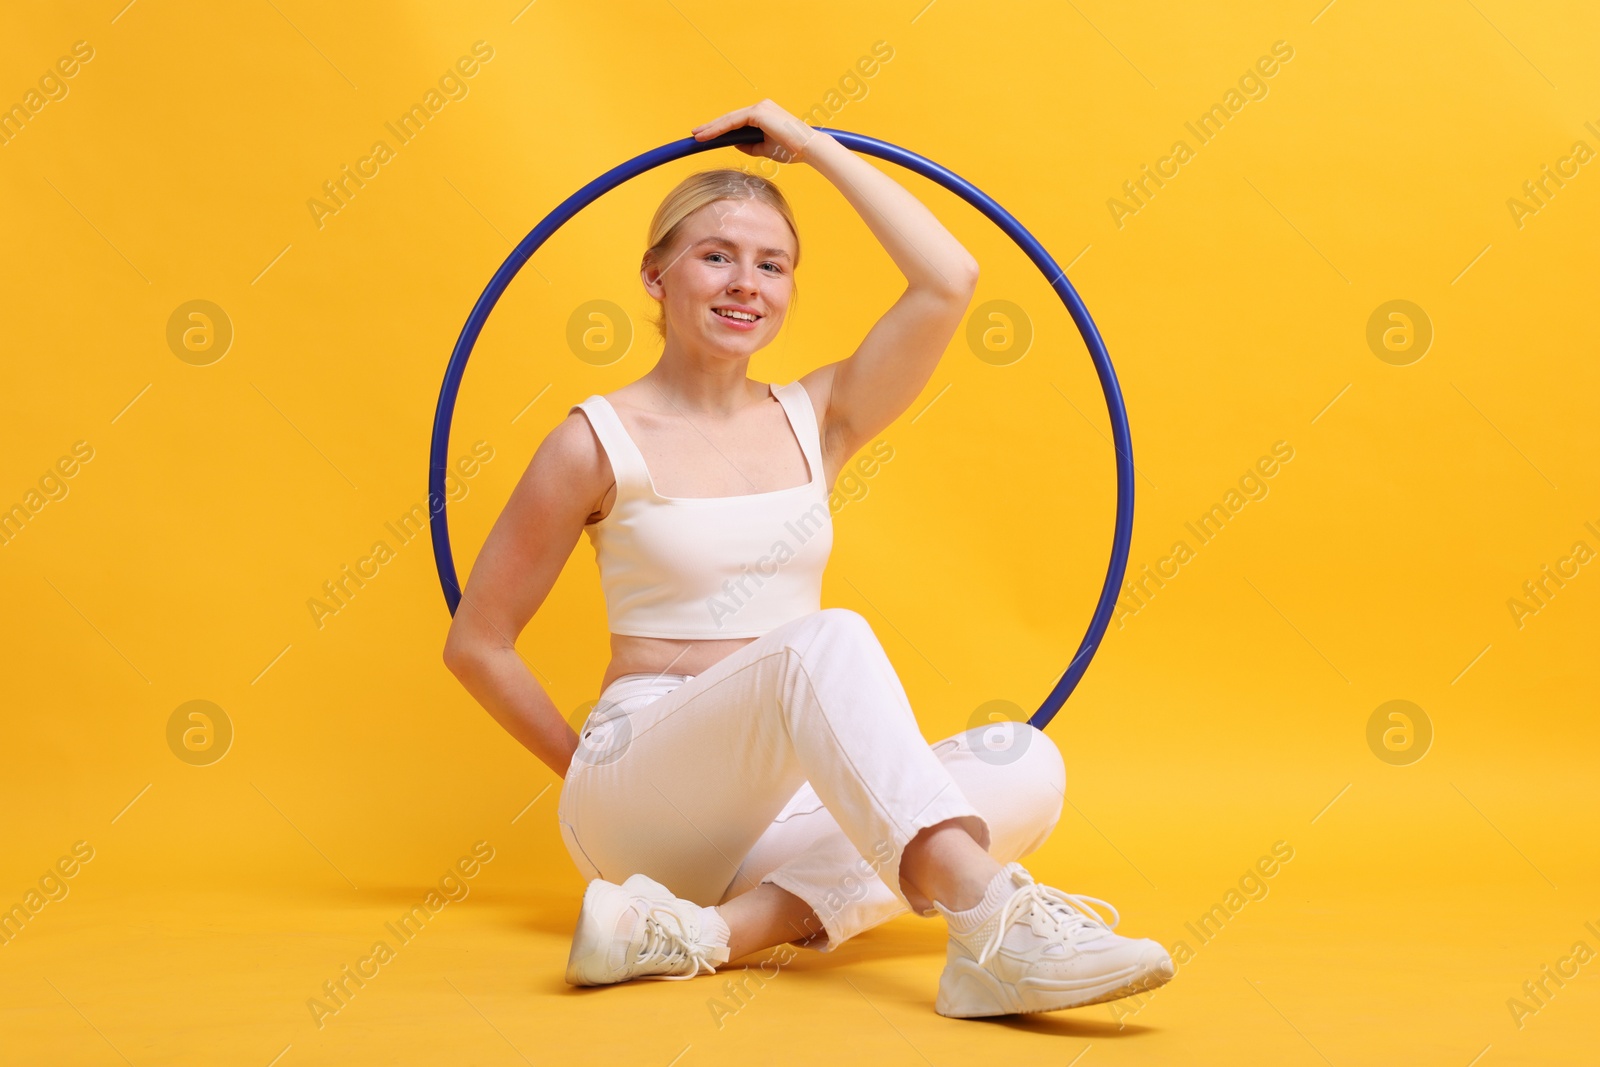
pixel 438 461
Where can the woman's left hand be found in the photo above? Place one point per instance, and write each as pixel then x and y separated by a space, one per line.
pixel 786 137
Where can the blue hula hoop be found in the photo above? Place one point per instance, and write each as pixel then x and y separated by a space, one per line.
pixel 438 463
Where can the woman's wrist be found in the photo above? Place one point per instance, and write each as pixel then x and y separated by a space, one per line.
pixel 819 146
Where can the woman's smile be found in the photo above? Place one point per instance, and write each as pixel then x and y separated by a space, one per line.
pixel 736 323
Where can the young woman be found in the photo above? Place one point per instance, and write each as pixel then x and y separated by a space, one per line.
pixel 752 773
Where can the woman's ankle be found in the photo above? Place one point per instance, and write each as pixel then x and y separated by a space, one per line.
pixel 970 887
pixel 964 921
pixel 766 916
pixel 947 866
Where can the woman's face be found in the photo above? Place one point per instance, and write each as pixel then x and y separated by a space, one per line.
pixel 731 254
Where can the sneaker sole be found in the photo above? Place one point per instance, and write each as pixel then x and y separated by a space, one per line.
pixel 968 991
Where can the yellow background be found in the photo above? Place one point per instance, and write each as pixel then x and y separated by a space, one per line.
pixel 1229 713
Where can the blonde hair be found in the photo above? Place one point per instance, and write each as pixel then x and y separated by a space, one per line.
pixel 695 192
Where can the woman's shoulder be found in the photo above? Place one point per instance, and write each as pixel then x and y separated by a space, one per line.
pixel 818 387
pixel 815 386
pixel 633 398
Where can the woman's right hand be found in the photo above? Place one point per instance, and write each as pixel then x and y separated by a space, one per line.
pixel 786 137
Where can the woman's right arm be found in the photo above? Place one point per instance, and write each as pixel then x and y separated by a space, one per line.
pixel 519 563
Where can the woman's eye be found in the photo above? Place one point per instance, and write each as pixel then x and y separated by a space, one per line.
pixel 776 268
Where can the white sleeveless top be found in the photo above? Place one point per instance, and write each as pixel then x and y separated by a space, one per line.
pixel 710 567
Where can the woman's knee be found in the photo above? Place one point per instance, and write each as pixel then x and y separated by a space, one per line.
pixel 1017 770
pixel 1047 775
pixel 1037 788
pixel 846 621
pixel 830 630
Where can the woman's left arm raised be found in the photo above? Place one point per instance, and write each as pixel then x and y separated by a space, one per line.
pixel 875 384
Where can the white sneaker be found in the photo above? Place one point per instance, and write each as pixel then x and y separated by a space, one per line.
pixel 1044 950
pixel 639 930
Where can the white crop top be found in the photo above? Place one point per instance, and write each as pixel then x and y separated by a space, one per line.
pixel 710 567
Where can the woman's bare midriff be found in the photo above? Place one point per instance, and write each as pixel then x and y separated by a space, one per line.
pixel 663 655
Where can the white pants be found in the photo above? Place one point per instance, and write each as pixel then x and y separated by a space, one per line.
pixel 794 760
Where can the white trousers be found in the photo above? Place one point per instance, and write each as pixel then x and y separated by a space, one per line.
pixel 795 760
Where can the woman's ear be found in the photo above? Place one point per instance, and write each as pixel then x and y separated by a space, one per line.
pixel 650 275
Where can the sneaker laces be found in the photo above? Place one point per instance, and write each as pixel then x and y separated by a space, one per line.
pixel 669 944
pixel 1052 909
